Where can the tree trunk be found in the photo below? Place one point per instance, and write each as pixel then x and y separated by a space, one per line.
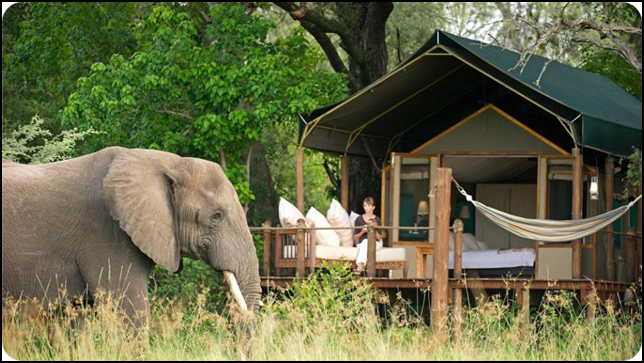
pixel 264 207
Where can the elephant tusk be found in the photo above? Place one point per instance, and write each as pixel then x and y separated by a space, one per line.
pixel 234 288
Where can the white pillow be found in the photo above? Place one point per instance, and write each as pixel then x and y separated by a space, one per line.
pixel 289 214
pixel 469 242
pixel 339 218
pixel 483 246
pixel 325 237
pixel 353 218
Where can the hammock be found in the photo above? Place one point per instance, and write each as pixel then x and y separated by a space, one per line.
pixel 545 230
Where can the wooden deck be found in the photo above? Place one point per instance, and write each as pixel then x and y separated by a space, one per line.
pixel 584 287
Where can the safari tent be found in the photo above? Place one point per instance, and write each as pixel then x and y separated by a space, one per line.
pixel 529 149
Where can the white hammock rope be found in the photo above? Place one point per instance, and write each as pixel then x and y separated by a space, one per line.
pixel 545 230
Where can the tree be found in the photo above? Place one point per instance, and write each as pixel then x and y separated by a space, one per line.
pixel 203 93
pixel 361 29
pixel 48 46
pixel 582 27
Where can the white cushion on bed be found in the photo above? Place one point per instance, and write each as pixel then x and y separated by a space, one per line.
pixel 325 237
pixel 469 242
pixel 338 217
pixel 483 245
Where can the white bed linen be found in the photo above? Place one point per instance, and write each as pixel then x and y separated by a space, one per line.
pixel 490 259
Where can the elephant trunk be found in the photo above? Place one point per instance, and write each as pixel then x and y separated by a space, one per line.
pixel 241 272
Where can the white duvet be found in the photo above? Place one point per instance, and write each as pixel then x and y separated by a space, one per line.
pixel 490 259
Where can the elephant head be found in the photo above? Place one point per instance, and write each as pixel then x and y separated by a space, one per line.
pixel 172 207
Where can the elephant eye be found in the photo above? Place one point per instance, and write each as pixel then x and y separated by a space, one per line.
pixel 217 217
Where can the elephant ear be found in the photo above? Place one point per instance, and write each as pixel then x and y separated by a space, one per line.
pixel 138 191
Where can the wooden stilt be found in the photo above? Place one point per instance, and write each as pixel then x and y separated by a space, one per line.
pixel 525 311
pixel 631 252
pixel 639 233
pixel 591 307
pixel 371 248
pixel 458 274
pixel 577 191
pixel 440 284
pixel 301 245
pixel 609 237
pixel 267 249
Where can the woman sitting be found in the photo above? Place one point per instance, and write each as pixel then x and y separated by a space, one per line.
pixel 360 235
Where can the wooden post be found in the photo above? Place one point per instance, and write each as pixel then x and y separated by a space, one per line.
pixel 609 237
pixel 440 286
pixel 525 311
pixel 577 191
pixel 595 240
pixel 458 274
pixel 300 179
pixel 301 245
pixel 371 248
pixel 267 249
pixel 631 258
pixel 344 181
pixel 591 308
pixel 639 233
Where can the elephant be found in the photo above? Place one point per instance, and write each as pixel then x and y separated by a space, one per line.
pixel 102 221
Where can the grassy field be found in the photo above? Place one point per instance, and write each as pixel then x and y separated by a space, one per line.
pixel 333 319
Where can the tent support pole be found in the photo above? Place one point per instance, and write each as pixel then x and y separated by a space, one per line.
pixel 440 286
pixel 609 237
pixel 344 182
pixel 577 192
pixel 300 179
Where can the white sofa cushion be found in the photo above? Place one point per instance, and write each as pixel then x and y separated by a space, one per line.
pixel 338 217
pixel 324 237
pixel 347 253
pixel 289 214
pixel 353 216
pixel 336 253
pixel 393 254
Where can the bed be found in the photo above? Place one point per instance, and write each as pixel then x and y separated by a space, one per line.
pixel 495 263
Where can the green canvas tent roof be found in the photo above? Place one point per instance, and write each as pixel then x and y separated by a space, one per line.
pixel 451 77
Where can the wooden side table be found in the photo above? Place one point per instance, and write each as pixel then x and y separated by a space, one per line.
pixel 421 260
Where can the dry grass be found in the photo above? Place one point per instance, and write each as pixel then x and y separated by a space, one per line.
pixel 330 320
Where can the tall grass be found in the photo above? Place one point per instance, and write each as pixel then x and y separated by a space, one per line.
pixel 332 318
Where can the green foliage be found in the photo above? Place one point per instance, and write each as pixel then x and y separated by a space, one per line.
pixel 49 46
pixel 633 173
pixel 611 65
pixel 32 144
pixel 197 96
pixel 333 297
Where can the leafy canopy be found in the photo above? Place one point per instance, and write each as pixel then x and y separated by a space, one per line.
pixel 202 95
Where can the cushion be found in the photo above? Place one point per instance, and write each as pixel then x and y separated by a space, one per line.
pixel 483 246
pixel 353 218
pixel 289 214
pixel 325 237
pixel 469 242
pixel 387 254
pixel 336 253
pixel 338 217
